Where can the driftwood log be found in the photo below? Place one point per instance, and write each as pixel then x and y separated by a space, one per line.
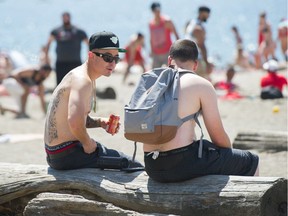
pixel 56 204
pixel 262 140
pixel 135 192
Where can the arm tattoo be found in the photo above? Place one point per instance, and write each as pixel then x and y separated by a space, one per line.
pixel 53 134
pixel 92 123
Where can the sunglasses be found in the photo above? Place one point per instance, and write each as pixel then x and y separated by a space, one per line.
pixel 107 57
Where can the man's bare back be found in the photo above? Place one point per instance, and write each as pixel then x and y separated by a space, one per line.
pixel 194 93
pixel 184 157
pixel 58 108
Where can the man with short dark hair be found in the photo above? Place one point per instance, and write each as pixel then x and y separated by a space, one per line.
pixel 195 31
pixel 68 48
pixel 161 28
pixel 178 159
pixel 67 142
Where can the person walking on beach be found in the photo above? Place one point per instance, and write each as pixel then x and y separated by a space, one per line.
pixel 19 84
pixel 177 159
pixel 283 37
pixel 161 29
pixel 267 45
pixel 133 54
pixel 195 31
pixel 241 59
pixel 67 142
pixel 238 38
pixel 68 48
pixel 263 24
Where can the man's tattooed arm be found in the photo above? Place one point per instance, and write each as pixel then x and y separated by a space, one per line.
pixel 93 122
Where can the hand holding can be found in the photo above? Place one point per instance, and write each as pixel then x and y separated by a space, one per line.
pixel 113 124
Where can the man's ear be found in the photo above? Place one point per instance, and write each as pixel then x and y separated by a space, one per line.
pixel 169 61
pixel 90 54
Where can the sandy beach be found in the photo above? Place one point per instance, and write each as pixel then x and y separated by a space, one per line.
pixel 24 142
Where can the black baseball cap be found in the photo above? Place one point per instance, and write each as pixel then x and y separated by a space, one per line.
pixel 104 40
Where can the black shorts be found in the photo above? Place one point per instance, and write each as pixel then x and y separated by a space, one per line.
pixel 183 163
pixel 71 155
pixel 62 68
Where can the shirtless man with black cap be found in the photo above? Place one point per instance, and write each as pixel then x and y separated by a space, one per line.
pixel 67 142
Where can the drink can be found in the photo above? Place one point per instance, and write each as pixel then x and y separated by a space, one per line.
pixel 113 122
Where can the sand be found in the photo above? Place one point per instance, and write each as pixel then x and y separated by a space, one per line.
pixel 24 136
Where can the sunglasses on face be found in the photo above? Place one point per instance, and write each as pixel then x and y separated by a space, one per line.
pixel 107 57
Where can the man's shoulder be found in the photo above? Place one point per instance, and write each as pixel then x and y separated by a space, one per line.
pixel 166 18
pixel 198 28
pixel 58 28
pixel 194 80
pixel 77 81
pixel 79 31
pixel 56 31
pixel 196 88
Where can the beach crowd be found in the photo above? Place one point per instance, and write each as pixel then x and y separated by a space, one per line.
pixel 18 82
pixel 68 145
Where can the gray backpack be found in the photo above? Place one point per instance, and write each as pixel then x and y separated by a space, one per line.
pixel 152 113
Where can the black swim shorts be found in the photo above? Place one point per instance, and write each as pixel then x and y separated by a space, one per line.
pixel 71 155
pixel 183 163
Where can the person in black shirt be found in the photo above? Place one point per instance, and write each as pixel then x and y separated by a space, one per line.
pixel 68 48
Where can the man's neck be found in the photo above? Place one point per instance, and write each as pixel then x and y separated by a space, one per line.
pixel 93 75
pixel 67 25
pixel 157 18
pixel 184 69
pixel 199 18
pixel 181 66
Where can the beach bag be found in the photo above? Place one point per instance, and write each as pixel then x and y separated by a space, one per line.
pixel 152 114
pixel 270 92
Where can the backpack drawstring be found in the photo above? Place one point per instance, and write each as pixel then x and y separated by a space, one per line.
pixel 155 154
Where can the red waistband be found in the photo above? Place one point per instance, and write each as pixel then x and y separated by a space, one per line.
pixel 61 149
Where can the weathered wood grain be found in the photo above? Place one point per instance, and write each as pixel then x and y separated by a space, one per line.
pixel 56 204
pixel 208 195
pixel 262 140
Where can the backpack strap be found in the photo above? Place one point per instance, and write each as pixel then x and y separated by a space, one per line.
pixel 195 117
pixel 189 117
pixel 200 149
